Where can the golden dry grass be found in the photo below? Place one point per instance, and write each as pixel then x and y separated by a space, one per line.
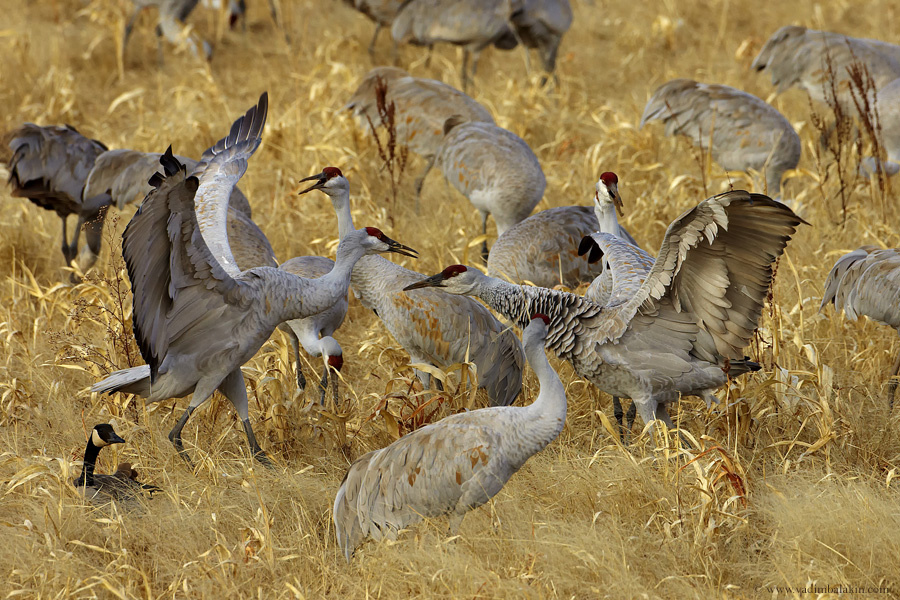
pixel 809 438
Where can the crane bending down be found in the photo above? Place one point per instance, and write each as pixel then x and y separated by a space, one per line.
pixel 495 169
pixel 422 107
pixel 434 328
pixel 541 248
pixel 170 20
pixel 676 330
pixel 49 166
pixel 452 466
pixel 197 316
pixel 741 131
pixel 382 13
pixel 867 282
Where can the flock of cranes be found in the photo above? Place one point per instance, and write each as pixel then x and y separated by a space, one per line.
pixel 208 290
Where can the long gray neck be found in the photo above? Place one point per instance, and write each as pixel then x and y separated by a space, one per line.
pixel 515 302
pixel 341 204
pixel 606 216
pixel 550 405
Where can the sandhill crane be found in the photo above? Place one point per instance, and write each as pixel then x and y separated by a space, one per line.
pixel 49 166
pixel 867 282
pixel 422 107
pixel 797 56
pixel 434 328
pixel 197 316
pixel 495 169
pixel 542 248
pixel 739 130
pixel 314 332
pixel 171 15
pixel 452 466
pixel 677 329
pixel 472 24
pixel 888 107
pixel 381 12
pixel 121 485
pixel 541 24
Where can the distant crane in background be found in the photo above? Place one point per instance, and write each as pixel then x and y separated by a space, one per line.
pixel 381 12
pixel 452 466
pixel 170 20
pixel 740 131
pixel 867 282
pixel 422 106
pixel 495 169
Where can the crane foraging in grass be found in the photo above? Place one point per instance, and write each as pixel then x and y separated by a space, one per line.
pixel 739 130
pixel 434 328
pixel 49 166
pixel 452 466
pixel 197 316
pixel 682 328
pixel 171 16
pixel 494 168
pixel 421 106
pixel 867 282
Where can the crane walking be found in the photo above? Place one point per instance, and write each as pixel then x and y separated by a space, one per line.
pixel 452 466
pixel 867 282
pixel 675 330
pixel 197 316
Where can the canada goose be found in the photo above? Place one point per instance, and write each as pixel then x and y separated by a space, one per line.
pixel 121 485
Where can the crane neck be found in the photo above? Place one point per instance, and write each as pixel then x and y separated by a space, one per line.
pixel 606 216
pixel 550 405
pixel 341 203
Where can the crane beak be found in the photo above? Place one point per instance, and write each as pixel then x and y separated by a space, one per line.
pixel 399 248
pixel 320 180
pixel 433 281
pixel 617 200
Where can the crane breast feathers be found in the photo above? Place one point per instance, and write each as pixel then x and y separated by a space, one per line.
pixel 716 262
pixel 218 171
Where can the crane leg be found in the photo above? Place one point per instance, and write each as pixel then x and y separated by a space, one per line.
pixel 323 386
pixel 160 59
pixel 428 56
pixel 234 388
pixel 892 383
pixel 93 235
pixel 129 26
pixel 295 345
pixel 618 414
pixel 632 413
pixel 465 71
pixel 374 39
pixel 68 254
pixel 484 246
pixel 420 181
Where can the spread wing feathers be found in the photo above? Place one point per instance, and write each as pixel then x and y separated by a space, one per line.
pixel 716 264
pixel 871 287
pixel 249 245
pixel 451 466
pixel 49 165
pixel 219 169
pixel 124 175
pixel 174 283
pixel 310 267
pixel 628 265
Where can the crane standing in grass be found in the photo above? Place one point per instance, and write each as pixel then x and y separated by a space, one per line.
pixel 434 328
pixel 421 106
pixel 381 12
pixel 495 169
pixel 452 466
pixel 739 130
pixel 867 282
pixel 682 328
pixel 171 16
pixel 197 316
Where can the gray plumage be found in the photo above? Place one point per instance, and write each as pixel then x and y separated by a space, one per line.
pixel 541 24
pixel 739 130
pixel 669 332
pixel 171 16
pixel 472 24
pixel 494 168
pixel 197 316
pixel 867 282
pixel 452 466
pixel 49 166
pixel 797 56
pixel 434 328
pixel 422 106
pixel 380 12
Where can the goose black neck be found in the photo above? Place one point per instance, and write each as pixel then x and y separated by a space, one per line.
pixel 90 461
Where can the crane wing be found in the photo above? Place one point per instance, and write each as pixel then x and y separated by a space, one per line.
pixel 876 293
pixel 219 169
pixel 628 265
pixel 175 279
pixel 714 269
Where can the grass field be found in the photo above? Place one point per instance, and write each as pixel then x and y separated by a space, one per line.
pixel 795 486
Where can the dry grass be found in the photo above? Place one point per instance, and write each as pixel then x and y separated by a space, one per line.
pixel 797 486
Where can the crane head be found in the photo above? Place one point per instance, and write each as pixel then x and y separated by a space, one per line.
pixel 458 279
pixel 608 191
pixel 542 317
pixel 329 178
pixel 392 246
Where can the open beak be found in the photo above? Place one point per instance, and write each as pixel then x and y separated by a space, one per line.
pixel 320 180
pixel 433 281
pixel 399 248
pixel 617 200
